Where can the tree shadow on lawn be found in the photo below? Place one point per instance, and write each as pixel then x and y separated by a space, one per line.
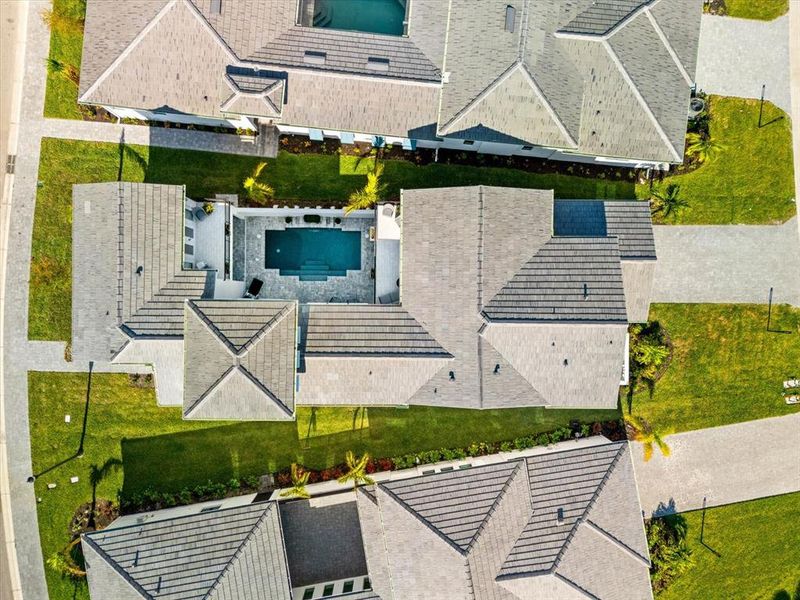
pixel 171 462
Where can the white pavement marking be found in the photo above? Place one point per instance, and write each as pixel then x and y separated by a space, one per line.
pixel 727 263
pixel 736 57
pixel 722 465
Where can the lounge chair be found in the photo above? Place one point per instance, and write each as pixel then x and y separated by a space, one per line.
pixel 254 289
pixel 793 399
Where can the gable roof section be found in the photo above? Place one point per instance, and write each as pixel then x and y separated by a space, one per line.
pixel 569 279
pixel 229 553
pixel 569 481
pixel 455 504
pixel 190 60
pixel 240 359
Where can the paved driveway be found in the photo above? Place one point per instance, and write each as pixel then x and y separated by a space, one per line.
pixel 736 56
pixel 722 464
pixel 727 263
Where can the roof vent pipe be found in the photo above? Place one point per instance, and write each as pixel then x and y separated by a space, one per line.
pixel 511 16
pixel 585 291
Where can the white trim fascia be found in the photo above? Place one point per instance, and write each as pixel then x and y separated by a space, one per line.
pixel 444 68
pixel 142 34
pixel 669 48
pixel 641 100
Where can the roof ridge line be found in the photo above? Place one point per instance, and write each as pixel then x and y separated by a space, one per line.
pixel 265 329
pixel 211 327
pixel 548 106
pixel 675 58
pixel 512 476
pixel 129 48
pixel 422 520
pixel 238 551
pixel 617 541
pixel 482 95
pixel 575 586
pixel 264 389
pixel 589 505
pixel 207 393
pixel 629 80
pixel 114 565
pixel 610 32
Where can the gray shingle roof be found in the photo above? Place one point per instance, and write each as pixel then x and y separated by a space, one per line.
pixel 632 224
pixel 546 83
pixel 356 329
pixel 503 519
pixel 602 15
pixel 240 359
pixel 499 257
pixel 569 279
pixel 627 220
pixel 455 504
pixel 128 264
pixel 226 554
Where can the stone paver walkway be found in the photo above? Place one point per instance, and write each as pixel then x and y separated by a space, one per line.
pixel 737 56
pixel 727 263
pixel 726 464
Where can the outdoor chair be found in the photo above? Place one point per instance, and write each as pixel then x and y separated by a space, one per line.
pixel 793 382
pixel 794 399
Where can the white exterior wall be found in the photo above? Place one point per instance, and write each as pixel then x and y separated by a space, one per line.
pixel 148 115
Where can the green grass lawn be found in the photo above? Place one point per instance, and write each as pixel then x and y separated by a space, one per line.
pixel 66 46
pixel 751 181
pixel 764 10
pixel 726 367
pixel 160 451
pixel 309 177
pixel 758 554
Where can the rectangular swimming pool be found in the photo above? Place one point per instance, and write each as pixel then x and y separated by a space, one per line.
pixel 370 16
pixel 311 253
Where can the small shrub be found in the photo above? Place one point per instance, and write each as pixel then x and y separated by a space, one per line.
pixel 669 554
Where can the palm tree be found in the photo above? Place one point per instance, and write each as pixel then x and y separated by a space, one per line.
pixel 256 190
pixel 356 470
pixel 299 481
pixel 649 356
pixel 63 563
pixel 63 70
pixel 367 196
pixel 640 430
pixel 57 21
pixel 667 200
pixel 702 147
pixel 96 475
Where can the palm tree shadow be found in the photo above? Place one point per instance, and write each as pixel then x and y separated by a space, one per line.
pixel 96 476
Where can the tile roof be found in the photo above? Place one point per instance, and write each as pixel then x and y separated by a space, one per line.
pixel 455 504
pixel 366 329
pixel 240 359
pixel 225 554
pixel 524 526
pixel 568 279
pixel 597 77
pixel 128 263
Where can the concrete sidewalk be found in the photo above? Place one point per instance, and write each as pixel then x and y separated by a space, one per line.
pixel 723 465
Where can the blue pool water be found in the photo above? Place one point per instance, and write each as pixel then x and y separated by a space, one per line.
pixel 313 254
pixel 371 16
